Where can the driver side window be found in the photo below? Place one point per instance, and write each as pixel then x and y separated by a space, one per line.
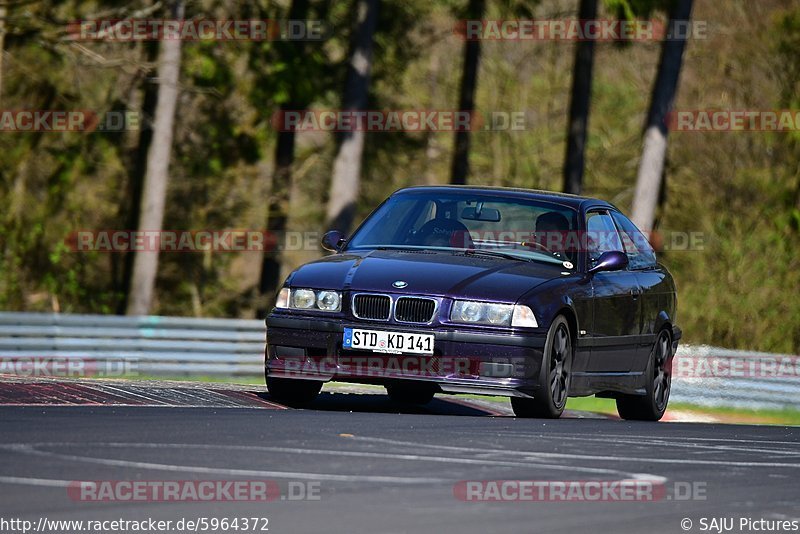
pixel 601 235
pixel 640 253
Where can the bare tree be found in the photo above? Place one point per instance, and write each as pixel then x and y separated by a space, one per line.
pixel 347 167
pixel 654 153
pixel 466 100
pixel 577 133
pixel 154 190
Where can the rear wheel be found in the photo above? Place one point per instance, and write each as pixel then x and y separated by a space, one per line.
pixel 293 391
pixel 410 393
pixel 652 405
pixel 550 398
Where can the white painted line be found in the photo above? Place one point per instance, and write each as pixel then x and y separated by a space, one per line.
pixel 578 457
pixel 46 482
pixel 300 475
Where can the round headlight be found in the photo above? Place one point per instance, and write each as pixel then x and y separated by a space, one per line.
pixel 471 312
pixel 328 300
pixel 498 314
pixel 303 298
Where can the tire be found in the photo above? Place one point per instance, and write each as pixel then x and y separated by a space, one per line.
pixel 652 405
pixel 410 393
pixel 293 392
pixel 550 398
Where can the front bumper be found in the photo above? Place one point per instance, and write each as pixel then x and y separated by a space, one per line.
pixel 464 360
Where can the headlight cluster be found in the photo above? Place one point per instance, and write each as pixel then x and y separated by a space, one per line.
pixel 472 312
pixel 309 299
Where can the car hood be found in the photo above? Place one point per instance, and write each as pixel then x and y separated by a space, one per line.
pixel 426 273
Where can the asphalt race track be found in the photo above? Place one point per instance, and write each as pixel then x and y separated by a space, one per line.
pixel 371 466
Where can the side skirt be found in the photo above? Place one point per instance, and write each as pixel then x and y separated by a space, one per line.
pixel 585 384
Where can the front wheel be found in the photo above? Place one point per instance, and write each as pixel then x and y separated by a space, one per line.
pixel 652 405
pixel 292 391
pixel 550 398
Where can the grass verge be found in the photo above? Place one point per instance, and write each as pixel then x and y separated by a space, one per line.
pixel 724 414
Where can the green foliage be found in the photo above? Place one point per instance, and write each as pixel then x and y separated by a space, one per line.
pixel 634 9
pixel 741 191
pixel 787 45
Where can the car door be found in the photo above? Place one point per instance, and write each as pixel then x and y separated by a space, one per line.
pixel 652 281
pixel 616 304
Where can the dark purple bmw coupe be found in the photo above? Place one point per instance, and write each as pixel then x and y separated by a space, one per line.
pixel 533 295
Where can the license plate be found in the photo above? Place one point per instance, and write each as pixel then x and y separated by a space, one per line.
pixel 391 342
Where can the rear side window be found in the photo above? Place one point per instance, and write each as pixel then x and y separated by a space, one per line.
pixel 640 254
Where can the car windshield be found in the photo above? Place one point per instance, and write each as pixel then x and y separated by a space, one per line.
pixel 470 223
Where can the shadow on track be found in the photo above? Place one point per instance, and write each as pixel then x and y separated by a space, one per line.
pixel 377 403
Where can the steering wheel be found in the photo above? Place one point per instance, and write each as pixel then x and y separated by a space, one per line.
pixel 536 244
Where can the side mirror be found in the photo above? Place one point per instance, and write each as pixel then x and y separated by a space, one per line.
pixel 333 240
pixel 610 261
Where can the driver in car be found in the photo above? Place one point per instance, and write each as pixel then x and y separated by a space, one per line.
pixel 552 233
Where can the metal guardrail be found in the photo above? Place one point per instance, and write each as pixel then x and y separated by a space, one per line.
pixel 713 376
pixel 177 346
pixel 159 346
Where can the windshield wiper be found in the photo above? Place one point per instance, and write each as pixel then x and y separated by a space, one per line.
pixel 493 254
pixel 402 248
pixel 467 252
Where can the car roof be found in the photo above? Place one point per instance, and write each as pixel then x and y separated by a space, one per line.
pixel 564 199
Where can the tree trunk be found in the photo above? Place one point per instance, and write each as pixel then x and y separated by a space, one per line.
pixel 651 167
pixel 279 197
pixel 577 133
pixel 154 191
pixel 347 167
pixel 3 15
pixel 466 100
pixel 132 208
